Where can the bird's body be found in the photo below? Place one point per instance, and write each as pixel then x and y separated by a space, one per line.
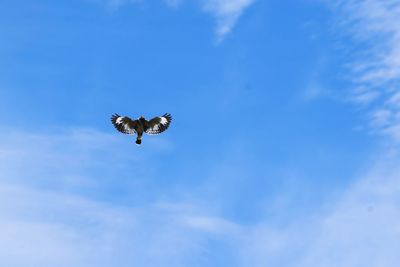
pixel 126 125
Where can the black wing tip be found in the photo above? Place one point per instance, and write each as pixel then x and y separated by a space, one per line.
pixel 114 117
pixel 168 116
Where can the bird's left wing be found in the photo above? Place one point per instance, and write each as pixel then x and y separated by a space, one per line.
pixel 124 124
pixel 159 124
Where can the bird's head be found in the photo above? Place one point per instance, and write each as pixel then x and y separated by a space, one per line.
pixel 141 118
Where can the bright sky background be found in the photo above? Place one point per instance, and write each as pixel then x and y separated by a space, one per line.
pixel 283 149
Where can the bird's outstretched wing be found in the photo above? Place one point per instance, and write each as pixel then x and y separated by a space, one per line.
pixel 159 124
pixel 124 124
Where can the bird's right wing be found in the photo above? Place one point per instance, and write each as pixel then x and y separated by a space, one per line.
pixel 159 124
pixel 124 124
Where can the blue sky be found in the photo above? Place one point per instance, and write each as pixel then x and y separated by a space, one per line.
pixel 283 150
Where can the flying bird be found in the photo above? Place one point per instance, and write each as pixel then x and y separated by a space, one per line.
pixel 126 125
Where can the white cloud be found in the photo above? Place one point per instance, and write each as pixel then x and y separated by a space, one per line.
pixel 363 228
pixel 49 219
pixel 42 225
pixel 40 228
pixel 360 227
pixel 374 24
pixel 226 12
pixel 73 157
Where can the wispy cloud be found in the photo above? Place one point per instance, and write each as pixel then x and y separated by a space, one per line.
pixel 363 227
pixel 375 68
pixel 42 224
pixel 74 156
pixel 359 227
pixel 226 12
pixel 47 218
pixel 45 228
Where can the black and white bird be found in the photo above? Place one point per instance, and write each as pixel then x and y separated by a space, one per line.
pixel 126 125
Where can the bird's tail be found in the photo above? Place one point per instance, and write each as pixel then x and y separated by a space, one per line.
pixel 138 141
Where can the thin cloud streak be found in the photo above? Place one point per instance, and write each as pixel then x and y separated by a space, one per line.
pixel 226 13
pixel 375 71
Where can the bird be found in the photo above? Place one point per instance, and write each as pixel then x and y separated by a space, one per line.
pixel 139 126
